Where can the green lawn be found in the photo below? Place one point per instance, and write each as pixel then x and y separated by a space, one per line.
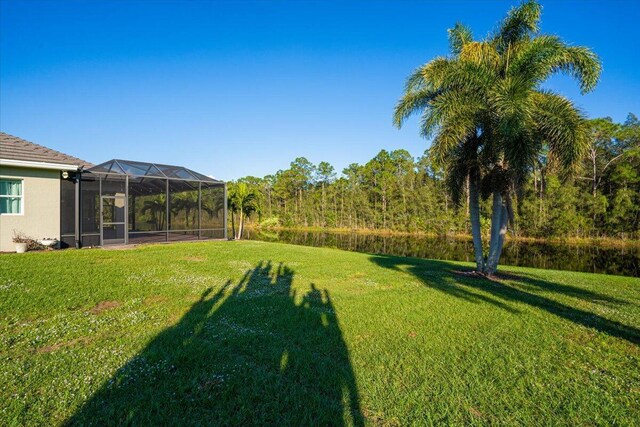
pixel 236 333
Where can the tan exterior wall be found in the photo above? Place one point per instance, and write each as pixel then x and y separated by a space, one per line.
pixel 41 206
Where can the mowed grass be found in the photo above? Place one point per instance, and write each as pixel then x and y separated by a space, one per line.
pixel 254 333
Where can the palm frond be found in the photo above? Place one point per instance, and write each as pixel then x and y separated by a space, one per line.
pixel 459 36
pixel 520 23
pixel 435 79
pixel 582 64
pixel 451 111
pixel 532 58
pixel 542 56
pixel 511 105
pixel 481 53
pixel 562 126
pixel 430 74
pixel 449 136
pixel 456 173
pixel 462 163
pixel 411 103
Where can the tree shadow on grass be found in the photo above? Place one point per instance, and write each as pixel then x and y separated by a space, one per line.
pixel 253 353
pixel 445 276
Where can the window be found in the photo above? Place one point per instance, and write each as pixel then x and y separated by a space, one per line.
pixel 10 196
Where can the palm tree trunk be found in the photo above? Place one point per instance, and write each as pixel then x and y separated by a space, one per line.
pixel 504 221
pixel 233 225
pixel 240 224
pixel 474 214
pixel 499 220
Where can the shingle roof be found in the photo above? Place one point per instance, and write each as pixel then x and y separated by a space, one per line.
pixel 14 148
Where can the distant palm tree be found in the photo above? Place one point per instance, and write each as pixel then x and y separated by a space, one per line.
pixel 158 208
pixel 188 202
pixel 243 201
pixel 212 206
pixel 490 117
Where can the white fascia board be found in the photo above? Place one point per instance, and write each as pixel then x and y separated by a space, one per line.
pixel 38 165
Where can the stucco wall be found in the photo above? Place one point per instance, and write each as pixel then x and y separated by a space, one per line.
pixel 41 209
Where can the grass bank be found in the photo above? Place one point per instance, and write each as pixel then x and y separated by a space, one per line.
pixel 265 333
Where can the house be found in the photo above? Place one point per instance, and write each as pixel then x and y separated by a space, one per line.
pixel 30 189
pixel 45 193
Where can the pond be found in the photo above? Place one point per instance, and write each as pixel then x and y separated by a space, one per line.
pixel 558 256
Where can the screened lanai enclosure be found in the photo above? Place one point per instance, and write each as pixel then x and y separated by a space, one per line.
pixel 127 202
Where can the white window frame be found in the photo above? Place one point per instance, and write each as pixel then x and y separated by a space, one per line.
pixel 21 196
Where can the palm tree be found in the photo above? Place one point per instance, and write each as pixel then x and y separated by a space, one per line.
pixel 489 116
pixel 186 201
pixel 158 208
pixel 244 201
pixel 213 203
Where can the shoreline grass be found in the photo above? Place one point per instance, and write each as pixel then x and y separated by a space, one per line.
pixel 258 333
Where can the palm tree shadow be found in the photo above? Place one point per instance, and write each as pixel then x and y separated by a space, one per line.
pixel 254 352
pixel 445 277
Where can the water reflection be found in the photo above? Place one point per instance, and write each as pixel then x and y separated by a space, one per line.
pixel 559 256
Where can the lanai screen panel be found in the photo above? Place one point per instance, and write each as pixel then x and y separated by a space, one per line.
pixel 147 209
pixel 184 202
pixel 68 211
pixel 213 210
pixel 90 210
pixel 113 185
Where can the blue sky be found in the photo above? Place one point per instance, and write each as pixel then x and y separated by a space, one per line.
pixel 242 88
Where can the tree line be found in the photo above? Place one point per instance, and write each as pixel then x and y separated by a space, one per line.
pixel 395 191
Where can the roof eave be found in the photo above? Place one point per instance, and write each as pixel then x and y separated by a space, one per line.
pixel 39 165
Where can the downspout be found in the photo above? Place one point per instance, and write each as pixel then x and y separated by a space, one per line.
pixel 78 222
